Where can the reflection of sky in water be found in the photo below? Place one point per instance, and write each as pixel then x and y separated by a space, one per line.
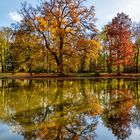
pixel 91 119
pixel 6 134
pixel 103 133
pixel 135 134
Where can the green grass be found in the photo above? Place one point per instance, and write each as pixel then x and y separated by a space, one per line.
pixel 5 74
pixel 96 74
pixel 82 74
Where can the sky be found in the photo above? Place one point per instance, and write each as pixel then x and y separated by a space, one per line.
pixel 105 10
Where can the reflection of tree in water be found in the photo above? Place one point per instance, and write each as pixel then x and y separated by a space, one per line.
pixel 75 127
pixel 69 118
pixel 116 114
pixel 136 116
pixel 56 109
pixel 136 108
pixel 61 111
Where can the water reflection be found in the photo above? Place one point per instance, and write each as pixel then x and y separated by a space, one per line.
pixel 117 111
pixel 70 109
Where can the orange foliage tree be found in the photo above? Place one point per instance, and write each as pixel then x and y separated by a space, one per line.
pixel 59 23
pixel 118 33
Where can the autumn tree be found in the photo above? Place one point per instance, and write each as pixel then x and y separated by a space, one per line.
pixel 5 36
pixel 136 39
pixel 119 33
pixel 105 53
pixel 59 23
pixel 88 51
pixel 30 51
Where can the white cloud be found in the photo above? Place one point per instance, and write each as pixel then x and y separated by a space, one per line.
pixel 131 7
pixel 15 16
pixel 110 8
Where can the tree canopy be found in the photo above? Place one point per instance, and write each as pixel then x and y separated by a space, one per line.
pixel 60 36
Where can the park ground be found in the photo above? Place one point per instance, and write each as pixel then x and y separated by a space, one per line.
pixel 68 75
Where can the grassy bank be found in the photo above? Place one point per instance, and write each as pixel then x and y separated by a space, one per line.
pixel 69 75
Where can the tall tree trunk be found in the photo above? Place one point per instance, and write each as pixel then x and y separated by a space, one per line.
pixel 30 70
pixel 137 61
pixel 109 68
pixel 4 54
pixel 118 65
pixel 82 64
pixel 2 66
pixel 109 61
pixel 118 69
pixel 92 66
pixel 124 68
pixel 60 69
pixel 43 66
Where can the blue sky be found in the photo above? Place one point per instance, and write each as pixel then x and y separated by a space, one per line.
pixel 105 10
pixel 8 11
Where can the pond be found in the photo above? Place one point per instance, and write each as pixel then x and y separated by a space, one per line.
pixel 86 109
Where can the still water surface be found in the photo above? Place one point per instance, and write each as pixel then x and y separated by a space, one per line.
pixel 107 109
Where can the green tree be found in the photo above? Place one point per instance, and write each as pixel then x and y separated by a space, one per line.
pixel 5 36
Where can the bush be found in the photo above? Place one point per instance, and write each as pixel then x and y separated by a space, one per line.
pixel 97 73
pixel 39 70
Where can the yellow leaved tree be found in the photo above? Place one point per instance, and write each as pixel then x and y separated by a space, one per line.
pixel 60 24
